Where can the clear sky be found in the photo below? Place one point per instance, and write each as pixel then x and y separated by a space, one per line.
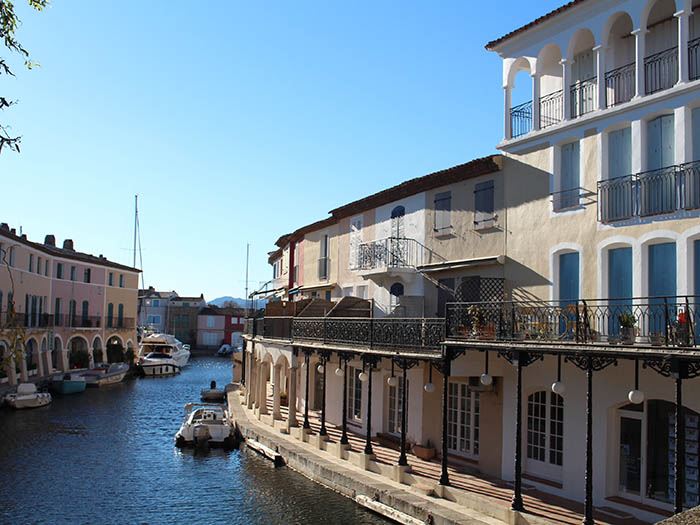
pixel 237 122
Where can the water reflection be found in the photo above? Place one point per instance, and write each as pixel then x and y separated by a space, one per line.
pixel 107 456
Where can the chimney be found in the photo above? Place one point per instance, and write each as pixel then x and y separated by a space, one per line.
pixel 4 227
pixel 50 240
pixel 68 244
pixel 13 231
pixel 23 236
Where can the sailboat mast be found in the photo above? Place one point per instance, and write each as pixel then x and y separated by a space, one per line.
pixel 136 220
pixel 247 256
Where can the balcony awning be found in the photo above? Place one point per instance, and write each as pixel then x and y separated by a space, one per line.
pixel 462 263
pixel 315 287
pixel 268 293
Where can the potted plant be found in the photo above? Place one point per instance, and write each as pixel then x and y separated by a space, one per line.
pixel 655 339
pixel 284 401
pixel 425 452
pixel 628 331
pixel 681 329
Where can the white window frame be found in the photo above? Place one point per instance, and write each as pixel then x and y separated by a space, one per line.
pixel 544 467
pixel 463 418
pixel 354 395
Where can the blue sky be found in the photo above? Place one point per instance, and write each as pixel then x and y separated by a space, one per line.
pixel 237 122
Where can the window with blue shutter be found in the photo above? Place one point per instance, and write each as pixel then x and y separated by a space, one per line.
pixel 568 289
pixel 662 282
pixel 619 286
pixel 484 204
pixel 443 207
pixel 657 186
pixel 567 195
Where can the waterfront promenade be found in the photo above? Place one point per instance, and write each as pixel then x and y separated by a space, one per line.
pixel 471 498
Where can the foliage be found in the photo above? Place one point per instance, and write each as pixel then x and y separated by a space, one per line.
pixel 627 320
pixel 8 28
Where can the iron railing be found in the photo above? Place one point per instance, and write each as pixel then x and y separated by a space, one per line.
pixel 410 334
pixel 661 70
pixel 649 321
pixel 583 96
pixel 567 199
pixel 656 192
pixel 694 59
pixel 620 85
pixel 521 119
pixel 393 252
pixel 551 109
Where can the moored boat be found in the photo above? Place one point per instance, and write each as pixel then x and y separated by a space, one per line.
pixel 165 344
pixel 106 374
pixel 27 396
pixel 206 425
pixel 157 364
pixel 212 394
pixel 65 384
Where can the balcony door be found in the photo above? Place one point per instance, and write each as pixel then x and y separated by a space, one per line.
pixel 396 243
pixel 657 185
pixel 619 286
pixel 568 291
pixel 355 240
pixel 662 284
pixel 695 301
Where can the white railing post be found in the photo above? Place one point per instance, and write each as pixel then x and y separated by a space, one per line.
pixel 600 76
pixel 506 112
pixel 566 87
pixel 639 52
pixel 535 102
pixel 683 32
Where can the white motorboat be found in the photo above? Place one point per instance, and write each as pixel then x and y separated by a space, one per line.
pixel 27 396
pixel 165 344
pixel 106 374
pixel 157 364
pixel 206 425
pixel 213 394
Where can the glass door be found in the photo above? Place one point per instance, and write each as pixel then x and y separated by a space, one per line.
pixel 630 473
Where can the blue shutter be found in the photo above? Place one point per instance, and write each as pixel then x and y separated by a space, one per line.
pixel 568 277
pixel 696 134
pixel 662 282
pixel 569 176
pixel 654 144
pixel 483 202
pixel 620 153
pixel 619 286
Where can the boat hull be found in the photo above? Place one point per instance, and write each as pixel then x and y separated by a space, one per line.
pixel 66 387
pixel 216 394
pixel 22 402
pixel 160 369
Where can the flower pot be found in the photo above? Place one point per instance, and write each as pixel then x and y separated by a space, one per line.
pixel 656 339
pixel 424 453
pixel 628 334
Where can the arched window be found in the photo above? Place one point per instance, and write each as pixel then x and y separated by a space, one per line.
pixel 397 215
pixel 545 427
pixel 110 315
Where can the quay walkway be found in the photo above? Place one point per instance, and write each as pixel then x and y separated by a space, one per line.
pixel 470 498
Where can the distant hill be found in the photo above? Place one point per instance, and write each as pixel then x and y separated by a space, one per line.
pixel 220 301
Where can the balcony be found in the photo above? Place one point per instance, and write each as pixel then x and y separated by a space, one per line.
pixel 652 193
pixel 646 322
pixel 521 119
pixel 620 85
pixel 583 97
pixel 694 59
pixel 661 70
pixel 414 335
pixel 551 109
pixel 392 254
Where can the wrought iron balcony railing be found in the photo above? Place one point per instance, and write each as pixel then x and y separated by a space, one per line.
pixel 661 70
pixel 694 59
pixel 392 252
pixel 649 321
pixel 656 192
pixel 620 85
pixel 46 320
pixel 416 334
pixel 521 119
pixel 583 96
pixel 551 109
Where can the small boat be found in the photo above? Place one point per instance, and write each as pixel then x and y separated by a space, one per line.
pixel 156 364
pixel 165 344
pixel 67 384
pixel 107 374
pixel 206 425
pixel 213 394
pixel 225 351
pixel 27 396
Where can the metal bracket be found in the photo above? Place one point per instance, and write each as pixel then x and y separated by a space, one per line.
pixel 325 355
pixel 405 363
pixel 596 362
pixel 674 367
pixel 371 359
pixel 514 356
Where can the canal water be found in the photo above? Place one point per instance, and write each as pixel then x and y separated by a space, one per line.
pixel 107 456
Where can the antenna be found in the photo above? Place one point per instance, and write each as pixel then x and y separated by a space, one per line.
pixel 136 221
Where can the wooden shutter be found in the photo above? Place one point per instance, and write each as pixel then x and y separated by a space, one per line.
pixel 620 153
pixel 483 203
pixel 443 205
